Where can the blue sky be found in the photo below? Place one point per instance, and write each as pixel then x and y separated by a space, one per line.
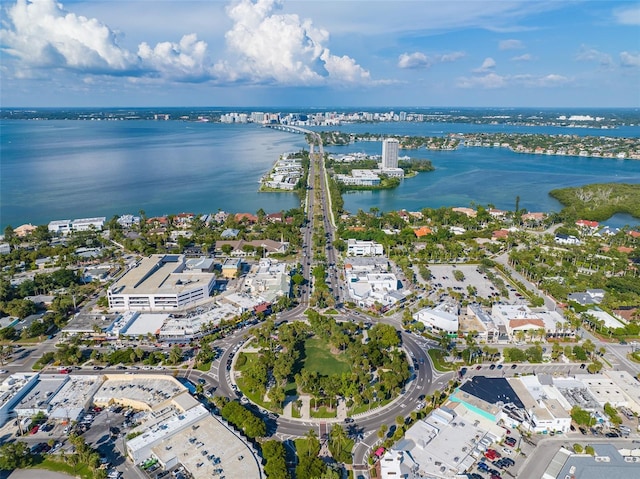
pixel 320 53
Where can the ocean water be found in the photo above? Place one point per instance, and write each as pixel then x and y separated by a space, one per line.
pixel 72 169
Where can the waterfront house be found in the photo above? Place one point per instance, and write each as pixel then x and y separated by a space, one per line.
pixel 24 230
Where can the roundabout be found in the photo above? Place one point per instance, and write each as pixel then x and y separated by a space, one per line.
pixel 362 426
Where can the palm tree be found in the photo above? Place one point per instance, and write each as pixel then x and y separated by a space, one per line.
pixel 312 439
pixel 338 437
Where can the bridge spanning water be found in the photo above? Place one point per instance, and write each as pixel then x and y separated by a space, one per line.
pixel 288 128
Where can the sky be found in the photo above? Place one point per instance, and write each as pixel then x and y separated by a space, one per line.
pixel 328 53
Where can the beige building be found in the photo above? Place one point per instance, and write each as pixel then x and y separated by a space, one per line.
pixel 231 268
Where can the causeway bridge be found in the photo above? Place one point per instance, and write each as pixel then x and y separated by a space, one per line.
pixel 289 128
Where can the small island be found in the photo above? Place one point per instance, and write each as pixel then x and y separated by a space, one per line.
pixel 600 201
pixel 363 172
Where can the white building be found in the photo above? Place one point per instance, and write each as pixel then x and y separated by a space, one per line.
pixel 159 283
pixel 520 318
pixel 446 443
pixel 5 248
pixel 81 224
pixel 86 224
pixel 363 248
pixel 486 329
pixel 396 464
pixel 60 226
pixel 268 279
pixel 369 282
pixel 443 317
pixel 360 178
pixel 127 221
pixel 390 147
pixel 547 409
pixel 12 390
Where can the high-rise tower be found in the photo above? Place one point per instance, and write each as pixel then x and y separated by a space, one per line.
pixel 390 147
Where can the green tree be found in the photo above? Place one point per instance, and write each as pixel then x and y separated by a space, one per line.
pixel 275 456
pixel 175 355
pixel 14 455
pixel 582 417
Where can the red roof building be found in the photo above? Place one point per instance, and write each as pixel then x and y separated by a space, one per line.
pixel 587 224
pixel 246 217
pixel 423 231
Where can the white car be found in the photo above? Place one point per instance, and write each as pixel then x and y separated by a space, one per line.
pixel 506 450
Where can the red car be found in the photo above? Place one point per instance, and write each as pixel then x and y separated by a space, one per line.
pixel 34 429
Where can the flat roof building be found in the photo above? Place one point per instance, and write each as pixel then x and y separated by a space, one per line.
pixel 445 443
pixel 607 462
pixel 159 283
pixel 390 147
pixel 12 390
pixel 443 317
pixel 363 248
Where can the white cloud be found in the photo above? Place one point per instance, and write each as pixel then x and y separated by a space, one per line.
pixel 277 47
pixel 44 35
pixel 493 81
pixel 549 80
pixel 264 47
pixel 629 59
pixel 488 81
pixel 420 60
pixel 627 15
pixel 414 60
pixel 451 57
pixel 487 65
pixel 592 55
pixel 510 45
pixel 526 57
pixel 184 61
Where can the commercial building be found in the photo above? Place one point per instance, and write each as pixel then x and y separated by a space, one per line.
pixel 363 248
pixel 443 317
pixel 369 282
pixel 608 461
pixel 520 320
pixel 12 390
pixel 231 268
pixel 159 283
pixel 444 444
pixel 178 430
pixel 268 279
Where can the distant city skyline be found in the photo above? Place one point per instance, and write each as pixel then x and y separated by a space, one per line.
pixel 309 53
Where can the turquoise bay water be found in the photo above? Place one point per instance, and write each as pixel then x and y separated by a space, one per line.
pixel 71 169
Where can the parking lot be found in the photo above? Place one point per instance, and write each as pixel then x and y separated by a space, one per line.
pixel 443 278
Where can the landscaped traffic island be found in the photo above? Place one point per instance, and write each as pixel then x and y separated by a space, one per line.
pixel 323 361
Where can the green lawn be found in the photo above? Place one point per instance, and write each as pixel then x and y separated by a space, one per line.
pixel 319 358
pixel 438 359
pixel 323 413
